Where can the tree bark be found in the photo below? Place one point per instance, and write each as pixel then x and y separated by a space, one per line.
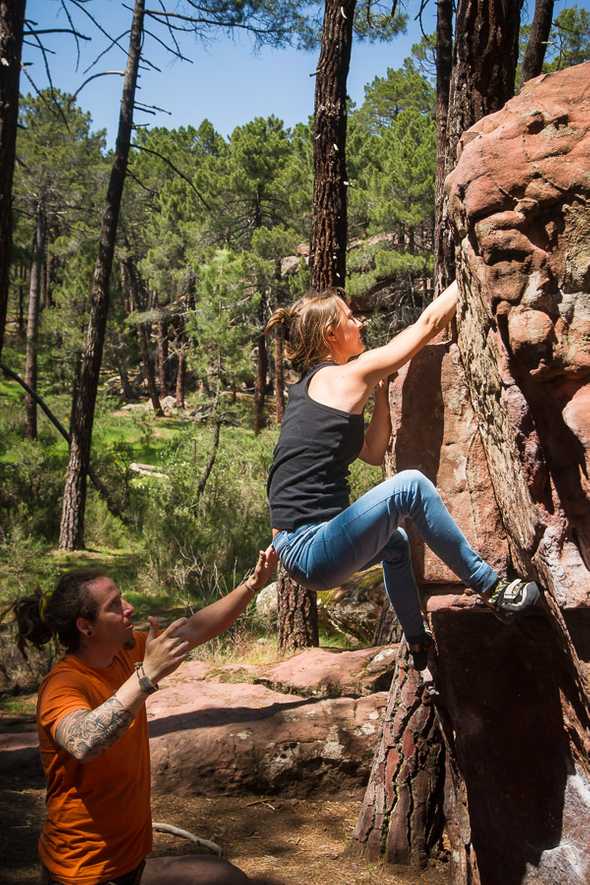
pixel 162 355
pixel 74 501
pixel 297 615
pixel 401 817
pixel 534 56
pixel 388 629
pixel 444 66
pixel 482 81
pixel 279 375
pixel 124 377
pixel 12 16
pixel 22 277
pixel 327 256
pixel 260 387
pixel 33 322
pixel 180 376
pixel 133 281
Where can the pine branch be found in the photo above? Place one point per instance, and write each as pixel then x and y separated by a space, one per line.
pixel 168 162
pixel 94 77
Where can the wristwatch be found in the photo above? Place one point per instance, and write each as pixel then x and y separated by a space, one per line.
pixel 147 685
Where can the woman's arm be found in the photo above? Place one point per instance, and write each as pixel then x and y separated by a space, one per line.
pixel 380 362
pixel 378 431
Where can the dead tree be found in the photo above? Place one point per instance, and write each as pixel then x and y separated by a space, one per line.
pixel 74 500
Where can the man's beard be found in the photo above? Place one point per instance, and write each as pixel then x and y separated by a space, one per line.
pixel 129 643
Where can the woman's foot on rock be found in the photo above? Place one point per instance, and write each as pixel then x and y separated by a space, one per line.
pixel 419 648
pixel 510 598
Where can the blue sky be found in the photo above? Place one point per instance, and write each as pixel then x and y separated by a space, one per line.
pixel 227 83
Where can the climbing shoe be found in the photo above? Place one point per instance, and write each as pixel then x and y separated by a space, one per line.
pixel 512 597
pixel 419 647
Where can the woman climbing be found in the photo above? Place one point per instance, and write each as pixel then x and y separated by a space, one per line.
pixel 319 537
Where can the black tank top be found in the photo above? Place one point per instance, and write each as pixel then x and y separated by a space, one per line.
pixel 308 480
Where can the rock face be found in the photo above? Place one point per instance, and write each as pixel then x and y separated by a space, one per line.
pixel 513 700
pixel 520 200
pixel 435 431
pixel 211 736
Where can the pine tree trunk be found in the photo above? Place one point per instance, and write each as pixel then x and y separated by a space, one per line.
pixel 33 322
pixel 279 375
pixel 260 388
pixel 534 56
pixel 162 356
pixel 388 629
pixel 124 378
pixel 444 65
pixel 401 817
pixel 74 501
pixel 180 377
pixel 482 81
pixel 12 15
pixel 134 284
pixel 297 615
pixel 22 276
pixel 327 256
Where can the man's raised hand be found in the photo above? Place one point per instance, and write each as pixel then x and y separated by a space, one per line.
pixel 164 652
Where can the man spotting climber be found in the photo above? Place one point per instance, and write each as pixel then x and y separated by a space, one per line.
pixel 93 735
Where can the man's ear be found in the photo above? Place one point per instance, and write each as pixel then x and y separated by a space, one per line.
pixel 84 626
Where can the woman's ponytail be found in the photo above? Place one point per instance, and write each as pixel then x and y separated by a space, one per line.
pixel 305 326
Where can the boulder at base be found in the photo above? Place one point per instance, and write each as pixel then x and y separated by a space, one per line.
pixel 212 736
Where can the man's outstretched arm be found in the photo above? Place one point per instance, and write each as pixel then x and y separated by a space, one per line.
pixel 217 617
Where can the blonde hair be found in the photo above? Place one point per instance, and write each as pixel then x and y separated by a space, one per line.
pixel 306 324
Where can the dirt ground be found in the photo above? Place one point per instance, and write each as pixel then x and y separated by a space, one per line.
pixel 277 841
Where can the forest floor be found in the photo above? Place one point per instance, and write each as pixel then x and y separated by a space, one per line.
pixel 275 840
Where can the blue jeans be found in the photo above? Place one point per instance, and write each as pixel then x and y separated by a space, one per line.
pixel 324 555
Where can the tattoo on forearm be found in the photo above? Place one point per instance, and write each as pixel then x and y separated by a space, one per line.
pixel 86 734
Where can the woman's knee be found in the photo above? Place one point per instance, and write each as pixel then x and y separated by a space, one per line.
pixel 397 550
pixel 414 479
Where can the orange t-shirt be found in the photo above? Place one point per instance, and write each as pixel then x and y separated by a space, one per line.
pixel 98 813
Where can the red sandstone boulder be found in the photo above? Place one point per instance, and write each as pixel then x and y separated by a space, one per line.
pixel 435 431
pixel 520 200
pixel 210 738
pixel 317 672
pixel 513 699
